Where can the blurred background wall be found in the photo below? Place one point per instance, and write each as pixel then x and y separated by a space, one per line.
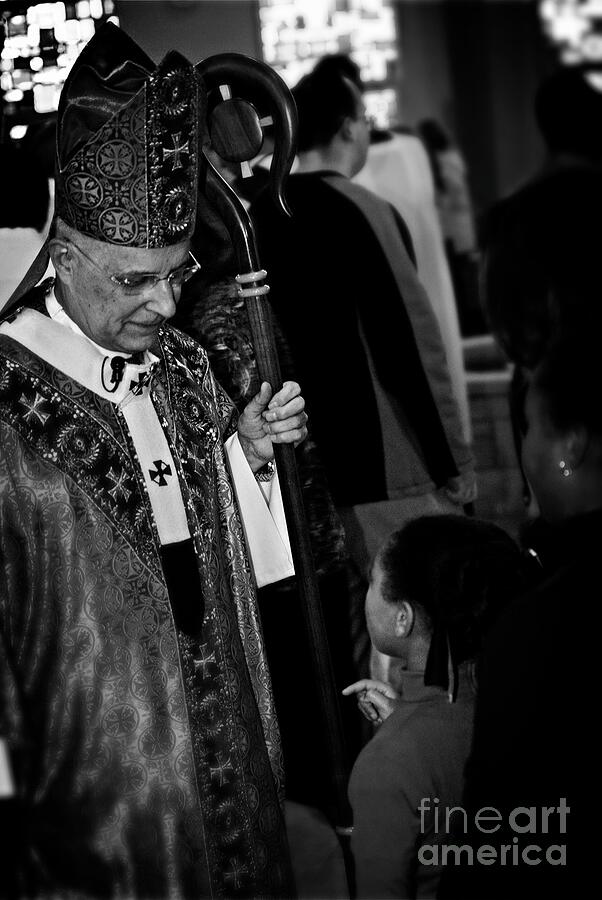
pixel 197 28
pixel 471 64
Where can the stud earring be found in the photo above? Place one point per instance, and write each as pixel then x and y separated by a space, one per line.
pixel 564 468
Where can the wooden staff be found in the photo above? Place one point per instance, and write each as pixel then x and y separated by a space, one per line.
pixel 236 135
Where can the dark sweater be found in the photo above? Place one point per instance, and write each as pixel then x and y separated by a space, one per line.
pixel 335 293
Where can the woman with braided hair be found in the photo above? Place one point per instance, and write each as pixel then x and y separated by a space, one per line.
pixel 436 587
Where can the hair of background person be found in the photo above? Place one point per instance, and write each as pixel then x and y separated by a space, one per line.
pixel 25 196
pixel 540 275
pixel 461 572
pixel 436 140
pixel 324 100
pixel 339 64
pixel 568 382
pixel 568 112
pixel 434 135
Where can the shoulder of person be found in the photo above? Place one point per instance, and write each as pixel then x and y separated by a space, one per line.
pixel 397 759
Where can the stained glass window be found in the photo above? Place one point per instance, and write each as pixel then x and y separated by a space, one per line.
pixel 575 26
pixel 296 33
pixel 42 41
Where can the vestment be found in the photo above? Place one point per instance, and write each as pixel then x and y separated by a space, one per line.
pixel 144 744
pixel 532 743
pixel 418 752
pixel 398 170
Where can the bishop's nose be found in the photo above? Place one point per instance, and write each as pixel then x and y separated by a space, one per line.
pixel 164 299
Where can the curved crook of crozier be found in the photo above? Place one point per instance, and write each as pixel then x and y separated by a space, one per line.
pixel 238 87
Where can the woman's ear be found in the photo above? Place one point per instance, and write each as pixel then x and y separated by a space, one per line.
pixel 576 444
pixel 62 258
pixel 404 619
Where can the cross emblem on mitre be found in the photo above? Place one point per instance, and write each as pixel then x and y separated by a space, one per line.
pixel 160 473
pixel 176 151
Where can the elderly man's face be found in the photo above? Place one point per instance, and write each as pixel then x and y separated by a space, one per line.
pixel 117 316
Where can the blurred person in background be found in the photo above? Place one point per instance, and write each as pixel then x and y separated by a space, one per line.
pixel 24 208
pixel 397 169
pixel 537 680
pixel 568 113
pixel 346 295
pixel 454 205
pixel 539 273
pixel 533 759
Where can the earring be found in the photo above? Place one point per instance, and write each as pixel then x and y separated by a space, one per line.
pixel 564 468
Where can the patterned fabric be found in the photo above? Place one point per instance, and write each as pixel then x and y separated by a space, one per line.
pixel 214 315
pixel 147 761
pixel 134 181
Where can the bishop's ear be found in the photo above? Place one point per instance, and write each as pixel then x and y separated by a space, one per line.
pixel 62 256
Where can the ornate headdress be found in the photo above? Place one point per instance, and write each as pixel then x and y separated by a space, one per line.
pixel 128 143
pixel 130 136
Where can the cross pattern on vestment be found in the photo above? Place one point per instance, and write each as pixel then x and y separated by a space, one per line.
pixel 201 662
pixel 174 154
pixel 33 408
pixel 221 769
pixel 160 473
pixel 119 489
pixel 136 387
pixel 234 873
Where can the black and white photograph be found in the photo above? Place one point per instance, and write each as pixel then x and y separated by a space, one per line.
pixel 300 449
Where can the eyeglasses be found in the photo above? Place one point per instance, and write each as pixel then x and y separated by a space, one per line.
pixel 140 282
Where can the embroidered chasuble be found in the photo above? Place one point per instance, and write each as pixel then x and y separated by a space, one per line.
pixel 135 705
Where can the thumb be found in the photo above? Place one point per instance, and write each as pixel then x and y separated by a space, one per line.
pixel 259 402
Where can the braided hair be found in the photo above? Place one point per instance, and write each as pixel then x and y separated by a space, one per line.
pixel 460 573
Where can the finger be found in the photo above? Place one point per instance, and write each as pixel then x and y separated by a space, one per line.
pixel 460 496
pixel 288 391
pixel 380 702
pixel 291 408
pixel 290 437
pixel 287 424
pixel 368 710
pixel 385 689
pixel 454 495
pixel 364 684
